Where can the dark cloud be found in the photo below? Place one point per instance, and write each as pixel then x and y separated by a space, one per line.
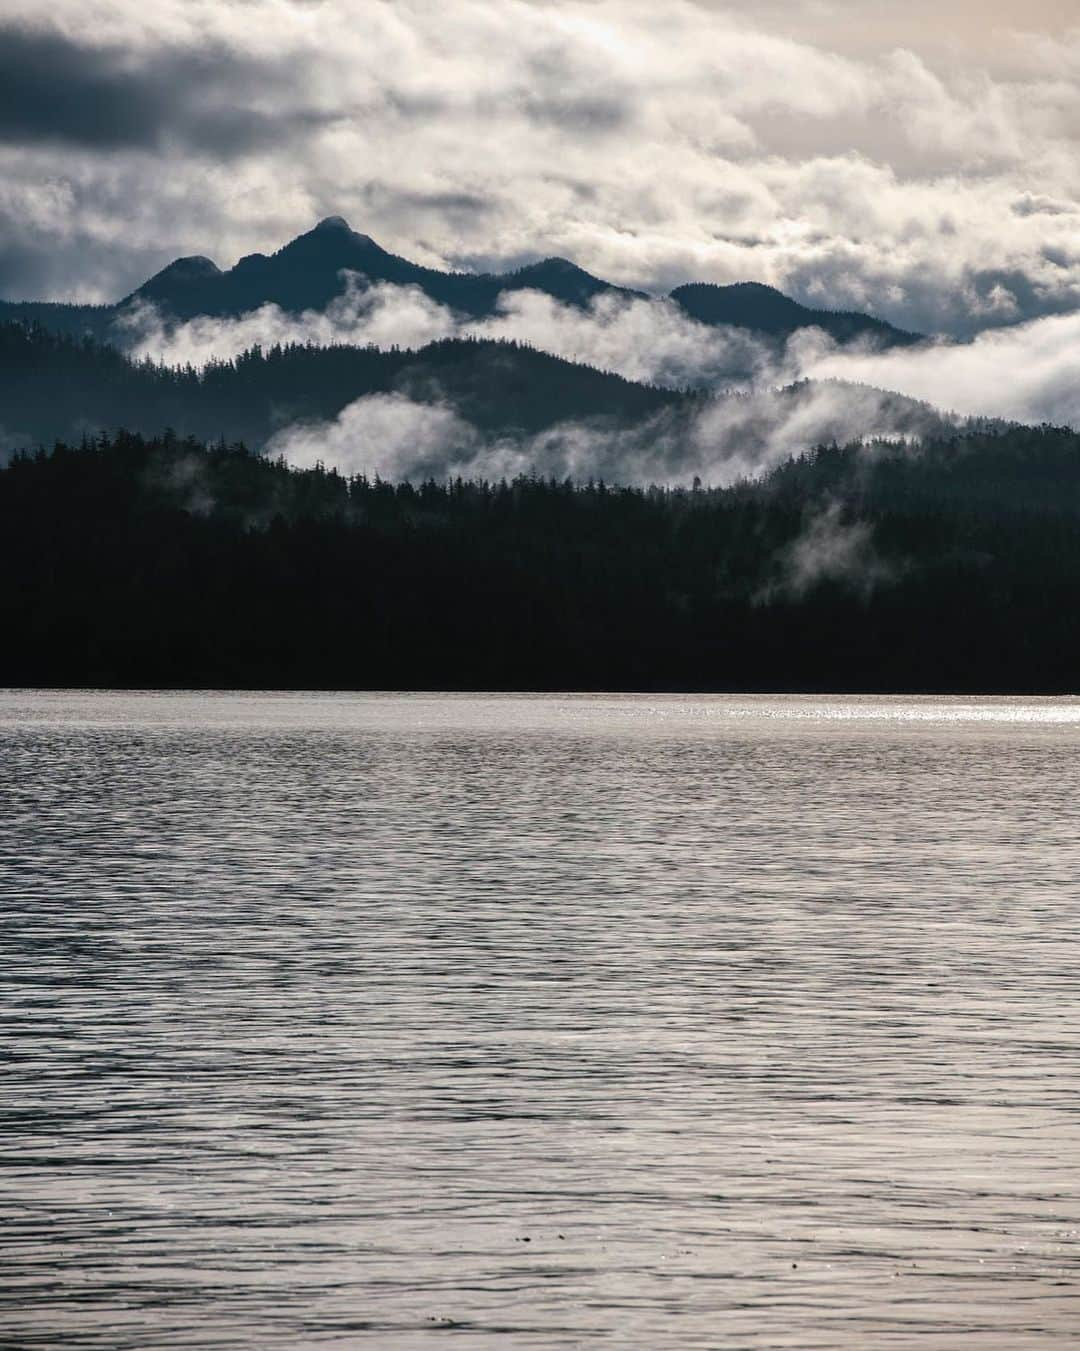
pixel 34 268
pixel 57 91
pixel 454 203
pixel 583 115
pixel 1032 205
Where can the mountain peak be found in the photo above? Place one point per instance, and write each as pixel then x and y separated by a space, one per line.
pixel 553 265
pixel 195 268
pixel 332 237
pixel 562 279
pixel 183 276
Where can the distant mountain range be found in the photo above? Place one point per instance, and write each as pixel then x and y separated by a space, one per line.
pixel 308 273
pixel 866 541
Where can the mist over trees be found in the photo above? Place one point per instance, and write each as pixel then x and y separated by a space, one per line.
pixel 947 558
pixel 165 561
pixel 58 386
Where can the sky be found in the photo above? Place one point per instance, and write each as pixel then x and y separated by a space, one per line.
pixel 918 161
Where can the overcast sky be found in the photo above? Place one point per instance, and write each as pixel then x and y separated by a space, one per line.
pixel 917 160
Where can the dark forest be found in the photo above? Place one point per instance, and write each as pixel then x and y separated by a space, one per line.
pixel 168 562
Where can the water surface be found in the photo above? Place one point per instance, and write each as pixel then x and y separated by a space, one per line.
pixel 410 1021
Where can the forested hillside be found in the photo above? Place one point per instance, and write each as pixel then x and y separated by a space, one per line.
pixel 167 562
pixel 767 311
pixel 54 386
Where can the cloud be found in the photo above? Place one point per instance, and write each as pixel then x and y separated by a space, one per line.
pixel 744 435
pixel 644 340
pixel 1027 373
pixel 896 158
pixel 386 435
pixel 828 549
pixel 727 439
pixel 55 89
pixel 382 315
pixel 770 410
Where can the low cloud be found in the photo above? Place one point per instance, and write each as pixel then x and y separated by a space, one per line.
pixel 387 435
pixel 1028 373
pixel 828 549
pixel 767 411
pixel 383 315
pixel 722 441
pixel 644 340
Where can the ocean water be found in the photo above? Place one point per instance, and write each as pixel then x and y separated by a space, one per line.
pixel 421 1021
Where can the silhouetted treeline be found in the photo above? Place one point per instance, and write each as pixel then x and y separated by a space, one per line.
pixel 54 386
pixel 133 562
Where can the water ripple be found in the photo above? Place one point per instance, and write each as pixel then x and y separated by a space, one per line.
pixel 538 1021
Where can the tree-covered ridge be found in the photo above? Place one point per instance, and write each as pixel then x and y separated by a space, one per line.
pixel 992 470
pixel 57 386
pixel 767 311
pixel 169 562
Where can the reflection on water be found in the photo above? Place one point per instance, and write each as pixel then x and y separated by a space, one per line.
pixel 651 1022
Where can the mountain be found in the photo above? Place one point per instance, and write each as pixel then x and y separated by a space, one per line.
pixel 54 386
pixel 308 273
pixel 765 310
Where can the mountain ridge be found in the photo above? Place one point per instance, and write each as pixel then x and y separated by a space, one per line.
pixel 56 387
pixel 764 309
pixel 307 273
